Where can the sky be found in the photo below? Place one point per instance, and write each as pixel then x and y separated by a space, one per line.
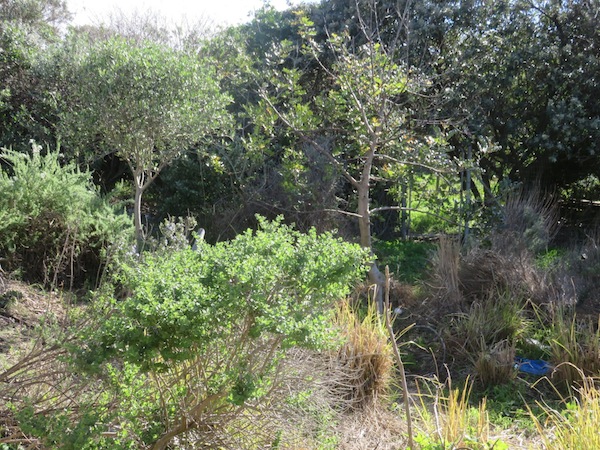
pixel 222 12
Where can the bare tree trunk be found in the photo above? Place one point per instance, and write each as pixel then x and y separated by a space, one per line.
pixel 468 196
pixel 376 278
pixel 403 213
pixel 137 209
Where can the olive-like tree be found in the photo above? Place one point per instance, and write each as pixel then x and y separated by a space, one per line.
pixel 146 102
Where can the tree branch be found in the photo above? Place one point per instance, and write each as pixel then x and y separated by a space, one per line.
pixel 303 135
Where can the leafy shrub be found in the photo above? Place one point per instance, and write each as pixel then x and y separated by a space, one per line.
pixel 203 331
pixel 407 259
pixel 54 225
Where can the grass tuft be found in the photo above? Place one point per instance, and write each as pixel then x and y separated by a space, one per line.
pixel 576 426
pixel 365 357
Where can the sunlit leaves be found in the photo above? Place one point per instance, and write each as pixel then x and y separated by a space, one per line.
pixel 283 281
pixel 148 103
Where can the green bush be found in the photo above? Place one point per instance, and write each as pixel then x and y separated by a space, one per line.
pixel 54 225
pixel 204 331
pixel 409 260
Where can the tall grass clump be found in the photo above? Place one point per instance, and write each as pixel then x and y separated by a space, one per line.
pixel 365 357
pixel 55 227
pixel 486 334
pixel 494 364
pixel 445 273
pixel 448 421
pixel 574 349
pixel 576 426
pixel 529 220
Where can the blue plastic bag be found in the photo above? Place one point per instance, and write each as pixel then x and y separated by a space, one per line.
pixel 532 366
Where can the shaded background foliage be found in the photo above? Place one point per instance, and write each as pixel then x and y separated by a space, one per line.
pixel 479 62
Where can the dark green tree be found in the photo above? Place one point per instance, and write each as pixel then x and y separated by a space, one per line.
pixel 27 29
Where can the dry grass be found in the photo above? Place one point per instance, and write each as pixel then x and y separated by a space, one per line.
pixel 365 357
pixel 485 336
pixel 495 365
pixel 445 279
pixel 373 427
pixel 505 262
pixel 530 220
pixel 575 349
pixel 576 426
pixel 447 420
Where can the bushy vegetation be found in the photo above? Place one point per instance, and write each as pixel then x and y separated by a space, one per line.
pixel 55 227
pixel 373 122
pixel 200 337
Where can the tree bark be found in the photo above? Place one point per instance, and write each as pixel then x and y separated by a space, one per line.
pixel 137 209
pixel 376 278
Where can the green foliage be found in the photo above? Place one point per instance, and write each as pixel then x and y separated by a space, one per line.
pixel 141 100
pixel 408 260
pixel 201 332
pixel 495 319
pixel 57 429
pixel 23 111
pixel 282 280
pixel 507 404
pixel 42 17
pixel 575 425
pixel 146 102
pixel 550 259
pixel 457 423
pixel 54 225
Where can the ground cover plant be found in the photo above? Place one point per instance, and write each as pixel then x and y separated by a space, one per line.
pixel 140 345
pixel 198 338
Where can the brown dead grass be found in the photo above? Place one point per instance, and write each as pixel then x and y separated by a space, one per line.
pixel 374 427
pixel 24 308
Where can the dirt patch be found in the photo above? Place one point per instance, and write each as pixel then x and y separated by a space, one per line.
pixel 22 309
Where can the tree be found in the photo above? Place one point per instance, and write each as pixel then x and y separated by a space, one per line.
pixel 522 75
pixel 27 29
pixel 363 128
pixel 44 17
pixel 146 102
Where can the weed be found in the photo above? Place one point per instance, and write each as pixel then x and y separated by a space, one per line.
pixel 453 422
pixel 481 330
pixel 574 348
pixel 576 425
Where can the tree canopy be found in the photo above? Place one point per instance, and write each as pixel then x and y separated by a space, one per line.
pixel 145 102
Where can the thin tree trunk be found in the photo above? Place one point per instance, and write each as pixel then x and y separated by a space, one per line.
pixel 137 210
pixel 468 196
pixel 404 213
pixel 399 361
pixel 376 278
